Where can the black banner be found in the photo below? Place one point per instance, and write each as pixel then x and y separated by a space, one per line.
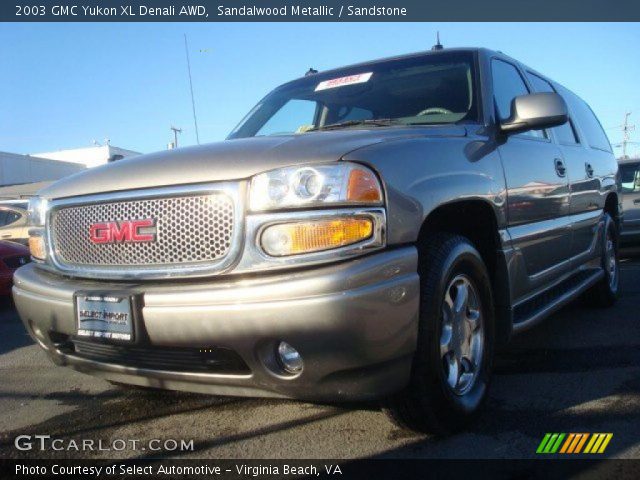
pixel 317 10
pixel 322 469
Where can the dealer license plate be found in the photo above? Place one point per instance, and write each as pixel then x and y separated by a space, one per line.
pixel 104 316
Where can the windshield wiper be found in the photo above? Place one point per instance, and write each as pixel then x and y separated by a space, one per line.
pixel 376 122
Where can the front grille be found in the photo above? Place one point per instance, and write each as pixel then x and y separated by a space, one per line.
pixel 189 229
pixel 175 359
pixel 16 261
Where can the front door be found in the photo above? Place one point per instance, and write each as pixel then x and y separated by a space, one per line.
pixel 537 179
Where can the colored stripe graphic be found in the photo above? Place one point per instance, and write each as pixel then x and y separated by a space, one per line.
pixel 581 442
pixel 543 443
pixel 573 443
pixel 550 443
pixel 598 443
pixel 566 445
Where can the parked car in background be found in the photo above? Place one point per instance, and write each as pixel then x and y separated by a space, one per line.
pixel 629 186
pixel 12 257
pixel 13 221
pixel 368 232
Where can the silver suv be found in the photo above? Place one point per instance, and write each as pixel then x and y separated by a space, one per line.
pixel 368 232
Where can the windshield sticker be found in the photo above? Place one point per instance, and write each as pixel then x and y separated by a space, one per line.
pixel 342 81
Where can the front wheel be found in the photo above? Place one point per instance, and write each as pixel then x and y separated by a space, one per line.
pixel 452 365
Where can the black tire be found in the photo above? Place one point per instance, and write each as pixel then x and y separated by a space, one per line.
pixel 605 293
pixel 429 404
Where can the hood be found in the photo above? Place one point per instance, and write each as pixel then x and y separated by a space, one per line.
pixel 9 249
pixel 231 159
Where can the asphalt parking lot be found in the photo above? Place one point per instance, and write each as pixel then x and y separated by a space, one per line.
pixel 578 372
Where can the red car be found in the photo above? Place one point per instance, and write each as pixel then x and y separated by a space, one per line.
pixel 12 256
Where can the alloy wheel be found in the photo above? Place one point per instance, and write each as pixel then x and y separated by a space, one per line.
pixel 462 337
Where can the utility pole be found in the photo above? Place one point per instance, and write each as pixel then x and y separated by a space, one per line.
pixel 176 131
pixel 626 133
pixel 193 102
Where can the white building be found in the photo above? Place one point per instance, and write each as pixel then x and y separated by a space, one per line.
pixel 18 169
pixel 89 156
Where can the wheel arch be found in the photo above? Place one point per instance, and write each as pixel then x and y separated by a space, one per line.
pixel 612 207
pixel 476 220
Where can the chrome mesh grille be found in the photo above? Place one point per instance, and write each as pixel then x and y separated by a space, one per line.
pixel 189 229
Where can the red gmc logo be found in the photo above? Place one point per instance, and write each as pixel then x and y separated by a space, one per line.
pixel 126 231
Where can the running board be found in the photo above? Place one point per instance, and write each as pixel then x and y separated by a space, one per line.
pixel 536 309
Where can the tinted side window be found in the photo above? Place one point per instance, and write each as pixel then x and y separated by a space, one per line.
pixel 587 121
pixel 3 218
pixel 566 133
pixel 591 127
pixel 630 177
pixel 508 84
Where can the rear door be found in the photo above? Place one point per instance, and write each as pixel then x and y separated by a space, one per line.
pixel 595 175
pixel 537 181
pixel 582 161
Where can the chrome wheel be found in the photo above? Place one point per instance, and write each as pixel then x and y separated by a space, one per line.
pixel 611 261
pixel 462 338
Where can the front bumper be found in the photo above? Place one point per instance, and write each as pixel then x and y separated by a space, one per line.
pixel 355 324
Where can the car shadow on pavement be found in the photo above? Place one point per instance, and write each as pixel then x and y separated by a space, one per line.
pixel 246 435
pixel 12 332
pixel 95 415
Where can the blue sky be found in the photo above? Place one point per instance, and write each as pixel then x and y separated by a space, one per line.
pixel 64 85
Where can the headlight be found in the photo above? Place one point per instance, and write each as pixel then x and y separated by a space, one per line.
pixel 36 218
pixel 37 212
pixel 315 185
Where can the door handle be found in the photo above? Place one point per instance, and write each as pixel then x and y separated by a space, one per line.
pixel 6 235
pixel 636 201
pixel 589 169
pixel 561 170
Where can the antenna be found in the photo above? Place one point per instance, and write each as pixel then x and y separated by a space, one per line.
pixel 193 102
pixel 438 45
pixel 176 131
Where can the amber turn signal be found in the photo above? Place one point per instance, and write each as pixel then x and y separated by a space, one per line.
pixel 36 247
pixel 314 236
pixel 363 186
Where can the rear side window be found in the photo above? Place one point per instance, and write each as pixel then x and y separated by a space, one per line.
pixel 508 84
pixel 587 121
pixel 591 126
pixel 566 133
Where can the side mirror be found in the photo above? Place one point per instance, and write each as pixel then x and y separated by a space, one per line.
pixel 535 112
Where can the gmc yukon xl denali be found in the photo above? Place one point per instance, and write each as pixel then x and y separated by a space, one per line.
pixel 369 232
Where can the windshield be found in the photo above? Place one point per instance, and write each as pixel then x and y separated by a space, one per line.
pixel 430 89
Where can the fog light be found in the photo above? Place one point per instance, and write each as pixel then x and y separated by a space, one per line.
pixel 314 236
pixel 289 358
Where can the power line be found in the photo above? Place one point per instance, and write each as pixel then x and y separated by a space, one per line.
pixel 193 102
